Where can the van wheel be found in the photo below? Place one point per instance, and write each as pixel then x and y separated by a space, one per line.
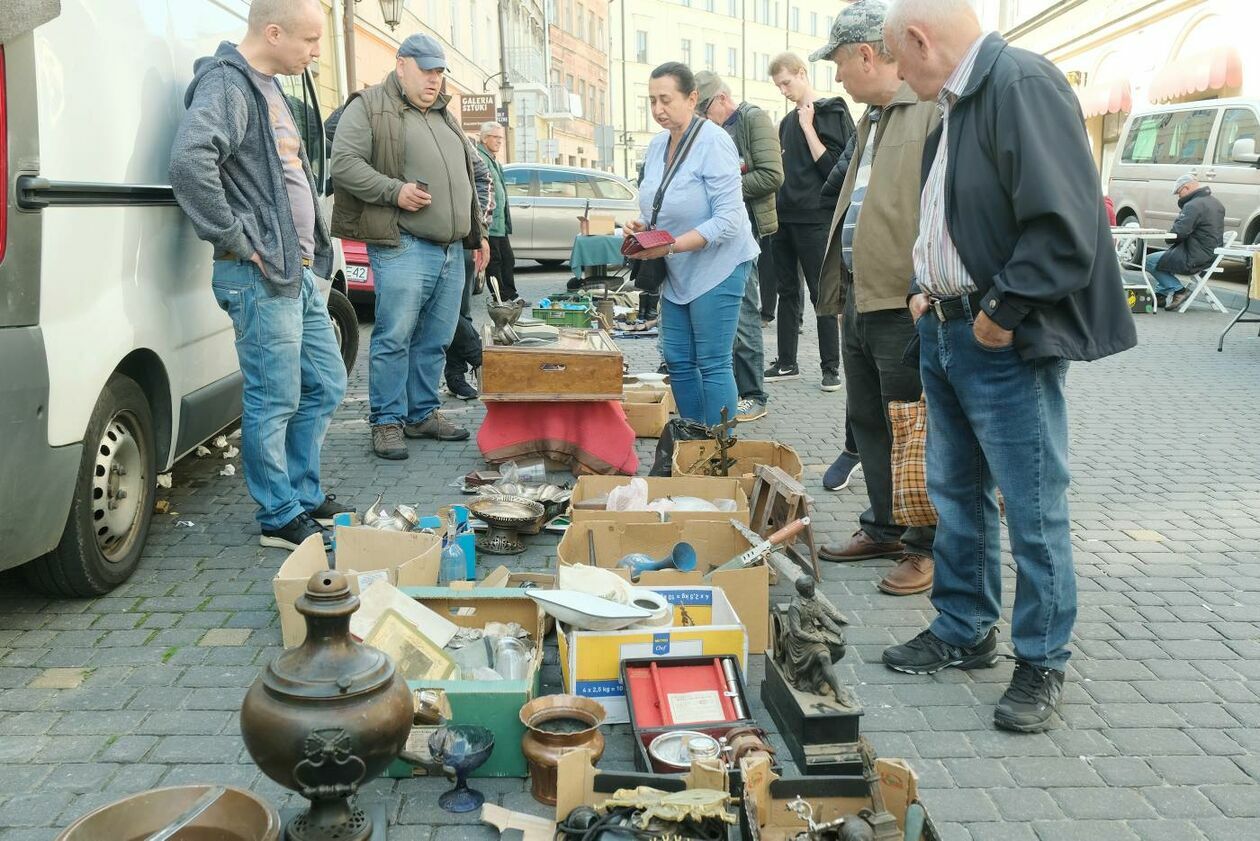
pixel 113 499
pixel 346 326
pixel 550 264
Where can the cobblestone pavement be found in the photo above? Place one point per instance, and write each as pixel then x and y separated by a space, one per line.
pixel 1160 737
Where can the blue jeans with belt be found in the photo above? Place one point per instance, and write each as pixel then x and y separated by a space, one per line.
pixel 419 287
pixel 998 421
pixel 294 379
pixel 697 342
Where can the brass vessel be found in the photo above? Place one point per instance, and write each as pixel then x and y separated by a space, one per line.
pixel 326 717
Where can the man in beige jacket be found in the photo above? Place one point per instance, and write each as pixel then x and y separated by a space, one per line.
pixel 866 276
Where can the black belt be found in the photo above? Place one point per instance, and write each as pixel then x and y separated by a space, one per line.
pixel 307 262
pixel 948 309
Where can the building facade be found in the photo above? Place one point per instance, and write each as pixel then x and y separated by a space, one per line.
pixel 734 38
pixel 1126 55
pixel 578 37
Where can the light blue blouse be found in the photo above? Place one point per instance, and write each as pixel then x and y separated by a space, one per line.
pixel 707 195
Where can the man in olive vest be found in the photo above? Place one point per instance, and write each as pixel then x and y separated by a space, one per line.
pixel 403 183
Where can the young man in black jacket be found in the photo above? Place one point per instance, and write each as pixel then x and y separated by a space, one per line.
pixel 813 138
pixel 1014 276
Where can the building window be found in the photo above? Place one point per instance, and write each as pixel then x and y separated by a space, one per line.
pixel 686 51
pixel 796 18
pixel 708 5
pixel 732 8
pixel 829 21
pixel 732 61
pixel 813 23
pixel 568 85
pixel 640 47
pixel 581 23
pixel 710 57
pixel 645 114
pixel 568 16
pixel 596 39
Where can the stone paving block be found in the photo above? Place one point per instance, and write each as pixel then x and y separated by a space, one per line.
pixel 1166 830
pixel 1093 830
pixel 978 773
pixel 1229 829
pixel 1052 772
pixel 1104 804
pixel 1235 801
pixel 1153 742
pixel 1197 770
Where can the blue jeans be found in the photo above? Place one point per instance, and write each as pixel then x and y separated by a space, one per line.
pixel 998 421
pixel 697 343
pixel 1166 283
pixel 750 355
pixel 294 380
pixel 419 286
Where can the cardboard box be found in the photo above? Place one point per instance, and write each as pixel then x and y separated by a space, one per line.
pixel 495 704
pixel 748 590
pixel 364 555
pixel 747 455
pixel 590 661
pixel 704 487
pixel 887 789
pixel 601 224
pixel 647 411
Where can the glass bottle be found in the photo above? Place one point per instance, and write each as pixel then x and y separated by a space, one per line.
pixel 454 564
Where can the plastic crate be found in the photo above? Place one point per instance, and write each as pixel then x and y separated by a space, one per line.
pixel 563 318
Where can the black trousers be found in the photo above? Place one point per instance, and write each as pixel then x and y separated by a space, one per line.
pixel 503 266
pixel 802 243
pixel 875 372
pixel 464 351
pixel 768 279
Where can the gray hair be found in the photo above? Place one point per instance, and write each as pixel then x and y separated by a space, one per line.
pixel 283 13
pixel 938 15
pixel 488 128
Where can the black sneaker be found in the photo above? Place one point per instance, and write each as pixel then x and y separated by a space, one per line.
pixel 831 381
pixel 1031 700
pixel 293 533
pixel 663 368
pixel 460 387
pixel 927 654
pixel 782 372
pixel 328 509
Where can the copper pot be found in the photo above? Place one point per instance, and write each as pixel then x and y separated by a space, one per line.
pixel 555 725
pixel 326 717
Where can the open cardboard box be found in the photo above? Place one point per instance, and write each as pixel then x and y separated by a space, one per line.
pixel 495 704
pixel 746 454
pixel 647 410
pixel 748 590
pixel 703 487
pixel 364 556
pixel 590 661
pixel 579 783
pixel 890 786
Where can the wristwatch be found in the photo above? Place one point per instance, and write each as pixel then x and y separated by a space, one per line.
pixel 671 252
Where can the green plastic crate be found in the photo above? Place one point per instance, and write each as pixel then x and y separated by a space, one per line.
pixel 563 318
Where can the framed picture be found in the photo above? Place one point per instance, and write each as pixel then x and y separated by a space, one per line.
pixel 414 655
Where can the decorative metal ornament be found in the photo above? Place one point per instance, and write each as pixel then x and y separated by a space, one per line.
pixel 326 717
pixel 506 517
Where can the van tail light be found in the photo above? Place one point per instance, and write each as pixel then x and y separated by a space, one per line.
pixel 4 162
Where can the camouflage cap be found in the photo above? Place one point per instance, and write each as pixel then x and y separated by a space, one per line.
pixel 860 23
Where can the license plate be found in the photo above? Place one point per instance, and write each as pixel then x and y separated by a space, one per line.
pixel 358 273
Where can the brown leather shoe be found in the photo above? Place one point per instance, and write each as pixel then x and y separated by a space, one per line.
pixel 912 575
pixel 861 547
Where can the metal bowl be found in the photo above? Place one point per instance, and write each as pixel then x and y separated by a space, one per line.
pixel 508 511
pixel 675 751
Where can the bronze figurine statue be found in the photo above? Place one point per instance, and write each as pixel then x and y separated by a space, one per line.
pixel 813 644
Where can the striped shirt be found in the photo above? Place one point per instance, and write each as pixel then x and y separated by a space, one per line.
pixel 860 183
pixel 937 265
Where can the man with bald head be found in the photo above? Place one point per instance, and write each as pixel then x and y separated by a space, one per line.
pixel 1014 276
pixel 240 172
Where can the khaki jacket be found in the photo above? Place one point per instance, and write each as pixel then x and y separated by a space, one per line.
pixel 883 252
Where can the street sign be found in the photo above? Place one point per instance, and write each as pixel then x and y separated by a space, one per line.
pixel 501 115
pixel 475 110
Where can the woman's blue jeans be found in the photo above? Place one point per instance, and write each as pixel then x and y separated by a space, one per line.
pixel 697 342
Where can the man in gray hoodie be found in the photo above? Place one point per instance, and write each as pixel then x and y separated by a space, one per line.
pixel 404 183
pixel 240 173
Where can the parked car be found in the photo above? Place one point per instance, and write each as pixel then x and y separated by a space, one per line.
pixel 1217 140
pixel 117 360
pixel 360 285
pixel 547 200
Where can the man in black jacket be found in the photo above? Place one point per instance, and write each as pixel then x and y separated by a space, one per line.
pixel 1014 276
pixel 1200 230
pixel 813 138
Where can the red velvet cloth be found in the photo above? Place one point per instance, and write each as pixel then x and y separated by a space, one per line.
pixel 590 437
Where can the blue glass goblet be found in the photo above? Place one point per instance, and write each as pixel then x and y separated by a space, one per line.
pixel 461 748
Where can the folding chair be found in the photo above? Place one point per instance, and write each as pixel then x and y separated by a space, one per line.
pixel 1199 281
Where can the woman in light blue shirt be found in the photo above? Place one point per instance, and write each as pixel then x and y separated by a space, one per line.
pixel 713 250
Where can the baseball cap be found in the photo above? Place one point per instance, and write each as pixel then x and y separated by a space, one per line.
pixel 708 84
pixel 425 49
pixel 1183 181
pixel 860 23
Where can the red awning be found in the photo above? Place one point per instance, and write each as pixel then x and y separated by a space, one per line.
pixel 1206 72
pixel 1114 97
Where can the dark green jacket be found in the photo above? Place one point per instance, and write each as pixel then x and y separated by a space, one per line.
pixel 758 145
pixel 501 221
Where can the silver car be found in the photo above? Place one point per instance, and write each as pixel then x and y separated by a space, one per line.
pixel 547 200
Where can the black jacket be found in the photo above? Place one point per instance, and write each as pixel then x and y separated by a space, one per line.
pixel 1024 208
pixel 800 197
pixel 835 179
pixel 1200 230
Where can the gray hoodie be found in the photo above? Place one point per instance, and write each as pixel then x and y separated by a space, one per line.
pixel 228 178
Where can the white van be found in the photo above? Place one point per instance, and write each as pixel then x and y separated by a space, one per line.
pixel 116 358
pixel 1215 139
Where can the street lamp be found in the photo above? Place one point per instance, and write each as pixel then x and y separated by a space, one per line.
pixel 392 10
